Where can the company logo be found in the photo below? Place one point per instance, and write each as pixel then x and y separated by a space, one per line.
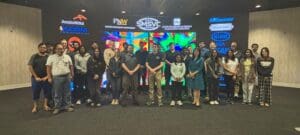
pixel 176 21
pixel 120 21
pixel 221 27
pixel 80 17
pixel 221 20
pixel 148 24
pixel 73 29
pixel 220 36
pixel 71 42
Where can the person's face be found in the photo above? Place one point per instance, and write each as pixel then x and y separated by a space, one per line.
pixel 76 45
pixel 214 53
pixel 190 49
pixel 212 46
pixel 50 49
pixel 254 48
pixel 42 49
pixel 172 47
pixel 201 44
pixel 233 46
pixel 248 53
pixel 155 49
pixel 178 58
pixel 82 50
pixel 130 49
pixel 94 45
pixel 230 54
pixel 97 53
pixel 264 53
pixel 186 51
pixel 141 46
pixel 64 43
pixel 59 49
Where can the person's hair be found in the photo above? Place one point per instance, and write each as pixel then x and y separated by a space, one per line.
pixel 227 56
pixel 171 44
pixel 177 56
pixel 251 53
pixel 57 44
pixel 40 44
pixel 84 48
pixel 199 56
pixel 254 44
pixel 211 54
pixel 266 49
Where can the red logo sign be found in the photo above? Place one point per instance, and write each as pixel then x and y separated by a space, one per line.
pixel 80 17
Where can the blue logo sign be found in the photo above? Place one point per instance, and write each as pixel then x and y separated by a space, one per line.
pixel 220 36
pixel 74 29
pixel 148 24
pixel 176 21
pixel 220 20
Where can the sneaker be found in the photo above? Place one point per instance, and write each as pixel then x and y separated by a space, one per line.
pixel 98 105
pixel 116 102
pixel 160 104
pixel 149 103
pixel 92 104
pixel 70 109
pixel 88 101
pixel 172 103
pixel 216 102
pixel 78 102
pixel 179 103
pixel 212 102
pixel 56 111
pixel 113 102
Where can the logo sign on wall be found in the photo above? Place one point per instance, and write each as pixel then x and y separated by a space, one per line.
pixel 148 24
pixel 119 23
pixel 71 41
pixel 74 26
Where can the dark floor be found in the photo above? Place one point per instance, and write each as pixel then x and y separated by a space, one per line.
pixel 237 119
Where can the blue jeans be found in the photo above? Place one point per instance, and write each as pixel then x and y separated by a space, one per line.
pixel 62 93
pixel 37 88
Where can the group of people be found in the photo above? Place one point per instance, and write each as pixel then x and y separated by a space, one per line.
pixel 190 71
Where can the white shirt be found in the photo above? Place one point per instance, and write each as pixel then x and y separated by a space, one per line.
pixel 178 71
pixel 231 64
pixel 81 62
pixel 60 65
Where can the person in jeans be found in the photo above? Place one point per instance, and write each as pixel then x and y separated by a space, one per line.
pixel 60 72
pixel 178 71
pixel 108 54
pixel 39 79
pixel 212 67
pixel 130 65
pixel 80 92
pixel 154 64
pixel 265 65
pixel 230 65
pixel 115 70
pixel 247 73
pixel 95 70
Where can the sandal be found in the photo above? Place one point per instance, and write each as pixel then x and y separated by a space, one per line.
pixel 34 110
pixel 47 108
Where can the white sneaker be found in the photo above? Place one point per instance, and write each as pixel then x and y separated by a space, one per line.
pixel 216 102
pixel 98 105
pixel 78 102
pixel 88 101
pixel 172 103
pixel 211 102
pixel 179 103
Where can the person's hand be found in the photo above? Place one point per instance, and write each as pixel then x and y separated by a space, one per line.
pixel 114 74
pixel 215 76
pixel 152 71
pixel 234 77
pixel 38 79
pixel 96 77
pixel 131 72
pixel 45 78
pixel 50 80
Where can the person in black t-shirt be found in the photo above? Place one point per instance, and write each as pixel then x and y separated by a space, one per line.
pixel 169 59
pixel 142 56
pixel 37 67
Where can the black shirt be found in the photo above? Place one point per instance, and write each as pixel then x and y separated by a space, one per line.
pixel 265 66
pixel 154 59
pixel 142 56
pixel 171 56
pixel 38 64
pixel 115 67
pixel 130 61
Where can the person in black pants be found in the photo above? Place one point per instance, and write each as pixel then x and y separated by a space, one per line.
pixel 169 59
pixel 142 56
pixel 115 70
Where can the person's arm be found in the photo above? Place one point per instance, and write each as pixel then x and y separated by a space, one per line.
pixel 71 67
pixel 136 68
pixel 76 62
pixel 149 68
pixel 159 66
pixel 173 71
pixel 125 68
pixel 183 71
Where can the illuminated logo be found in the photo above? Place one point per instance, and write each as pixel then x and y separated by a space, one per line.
pixel 176 21
pixel 73 29
pixel 71 41
pixel 220 36
pixel 221 27
pixel 120 21
pixel 80 17
pixel 220 20
pixel 148 24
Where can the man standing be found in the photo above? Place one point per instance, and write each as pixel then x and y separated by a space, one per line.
pixel 131 66
pixel 142 56
pixel 154 64
pixel 37 68
pixel 59 72
pixel 254 48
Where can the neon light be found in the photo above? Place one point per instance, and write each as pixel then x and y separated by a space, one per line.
pixel 221 27
pixel 176 21
pixel 71 40
pixel 121 21
pixel 148 24
pixel 72 22
pixel 181 27
pixel 74 30
pixel 119 27
pixel 220 36
pixel 221 20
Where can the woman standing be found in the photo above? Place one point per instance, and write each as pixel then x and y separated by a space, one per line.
pixel 115 70
pixel 95 70
pixel 212 68
pixel 196 66
pixel 265 65
pixel 178 71
pixel 247 74
pixel 231 68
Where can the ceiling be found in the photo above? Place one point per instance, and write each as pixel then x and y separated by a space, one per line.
pixel 154 7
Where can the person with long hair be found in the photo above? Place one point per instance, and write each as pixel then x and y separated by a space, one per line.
pixel 247 74
pixel 230 64
pixel 95 69
pixel 115 70
pixel 196 66
pixel 178 71
pixel 212 68
pixel 265 65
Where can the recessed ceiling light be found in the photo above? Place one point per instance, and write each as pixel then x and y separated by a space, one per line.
pixel 197 14
pixel 83 10
pixel 161 13
pixel 257 6
pixel 123 12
